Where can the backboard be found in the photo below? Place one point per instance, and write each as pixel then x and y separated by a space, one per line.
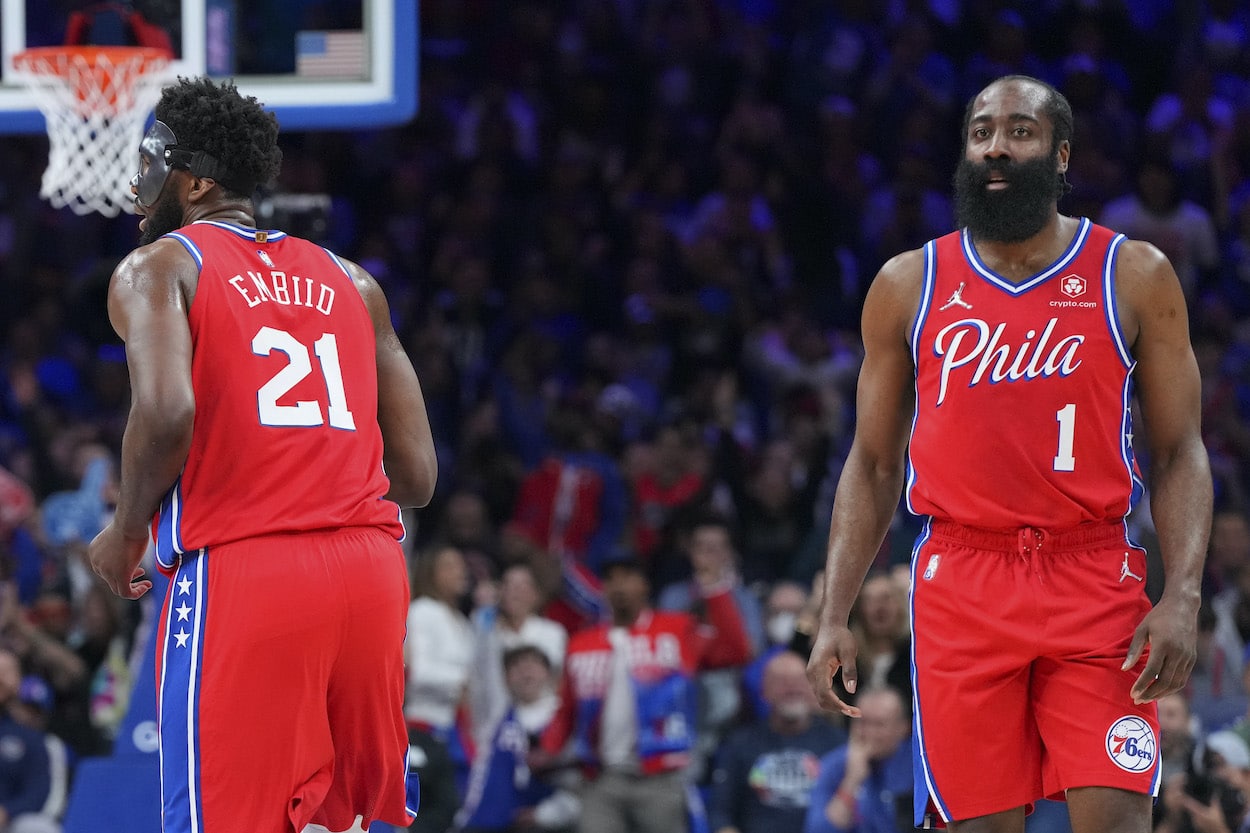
pixel 318 64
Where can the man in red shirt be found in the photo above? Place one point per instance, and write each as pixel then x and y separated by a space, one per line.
pixel 268 390
pixel 1000 364
pixel 628 699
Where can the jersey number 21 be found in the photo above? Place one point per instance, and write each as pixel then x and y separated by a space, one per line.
pixel 305 412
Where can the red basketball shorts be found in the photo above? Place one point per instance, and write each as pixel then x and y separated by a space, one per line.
pixel 1018 638
pixel 281 683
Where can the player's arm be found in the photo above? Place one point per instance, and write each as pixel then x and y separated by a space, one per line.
pixel 1169 391
pixel 872 479
pixel 147 305
pixel 408 444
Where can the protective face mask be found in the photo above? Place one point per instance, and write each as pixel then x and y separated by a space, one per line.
pixel 780 627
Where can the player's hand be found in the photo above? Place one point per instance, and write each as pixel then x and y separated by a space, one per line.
pixel 115 558
pixel 834 648
pixel 1171 631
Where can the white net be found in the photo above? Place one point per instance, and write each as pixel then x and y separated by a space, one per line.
pixel 95 101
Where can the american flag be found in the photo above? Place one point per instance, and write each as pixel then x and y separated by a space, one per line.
pixel 330 54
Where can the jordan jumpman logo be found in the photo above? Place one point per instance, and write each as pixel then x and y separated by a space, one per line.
pixel 956 299
pixel 1125 572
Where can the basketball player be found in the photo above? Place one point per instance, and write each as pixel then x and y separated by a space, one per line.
pixel 268 390
pixel 1001 361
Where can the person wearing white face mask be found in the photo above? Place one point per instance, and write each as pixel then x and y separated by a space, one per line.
pixel 782 610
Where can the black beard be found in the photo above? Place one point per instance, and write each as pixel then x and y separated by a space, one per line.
pixel 166 216
pixel 1011 215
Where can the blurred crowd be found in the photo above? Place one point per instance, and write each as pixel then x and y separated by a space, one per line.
pixel 626 243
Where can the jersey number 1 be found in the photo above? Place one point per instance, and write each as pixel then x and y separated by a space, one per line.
pixel 1066 417
pixel 305 412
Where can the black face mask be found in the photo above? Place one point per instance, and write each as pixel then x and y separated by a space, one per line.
pixel 160 148
pixel 151 182
pixel 1017 212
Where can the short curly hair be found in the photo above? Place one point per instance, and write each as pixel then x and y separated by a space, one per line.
pixel 219 120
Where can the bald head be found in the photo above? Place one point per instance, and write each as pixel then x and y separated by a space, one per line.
pixel 786 690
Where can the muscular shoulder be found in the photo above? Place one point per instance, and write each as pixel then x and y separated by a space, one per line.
pixel 370 291
pixel 157 268
pixel 903 271
pixel 895 293
pixel 1146 286
pixel 1141 265
pixel 161 276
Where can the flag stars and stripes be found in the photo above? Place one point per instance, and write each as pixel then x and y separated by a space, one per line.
pixel 184 611
pixel 331 54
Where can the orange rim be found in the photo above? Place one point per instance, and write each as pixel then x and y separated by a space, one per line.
pixel 96 73
pixel 45 60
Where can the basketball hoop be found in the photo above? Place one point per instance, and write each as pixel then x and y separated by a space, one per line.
pixel 95 100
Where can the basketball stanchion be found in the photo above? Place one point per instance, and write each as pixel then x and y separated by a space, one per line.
pixel 95 100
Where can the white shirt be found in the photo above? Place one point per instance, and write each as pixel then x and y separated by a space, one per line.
pixel 618 733
pixel 438 651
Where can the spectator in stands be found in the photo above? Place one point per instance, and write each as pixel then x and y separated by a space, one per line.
pixel 439 653
pixel 883 632
pixel 33 708
pixel 25 769
pixel 1234 288
pixel 504 794
pixel 103 639
pixel 1178 734
pixel 1232 615
pixel 1157 211
pixel 627 698
pixel 1215 692
pixel 1227 758
pixel 1187 123
pixel 1209 798
pixel 510 624
pixel 670 476
pixel 765 770
pixel 782 607
pixel 866 785
pixel 574 503
pixel 42 653
pixel 1228 553
pixel 1006 49
pixel 914 74
pixel 466 524
pixel 713 558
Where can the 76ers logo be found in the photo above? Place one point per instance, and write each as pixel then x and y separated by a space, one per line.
pixel 1131 744
pixel 1073 286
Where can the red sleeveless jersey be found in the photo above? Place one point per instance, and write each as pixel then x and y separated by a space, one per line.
pixel 286 437
pixel 1022 390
